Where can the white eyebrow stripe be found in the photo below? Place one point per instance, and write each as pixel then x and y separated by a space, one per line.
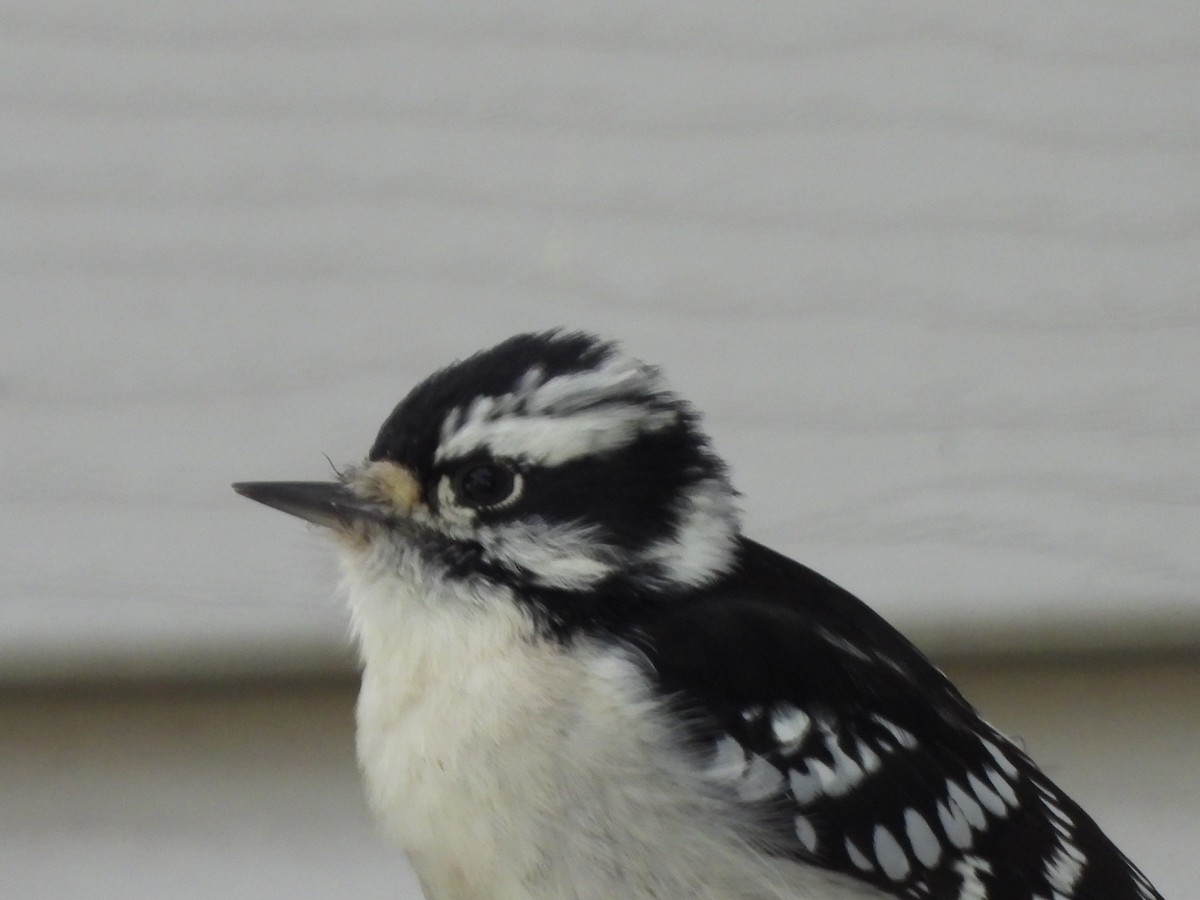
pixel 552 421
pixel 552 441
pixel 617 376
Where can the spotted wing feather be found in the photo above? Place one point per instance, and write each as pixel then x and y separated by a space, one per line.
pixel 821 713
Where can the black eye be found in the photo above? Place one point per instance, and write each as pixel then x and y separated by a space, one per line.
pixel 484 484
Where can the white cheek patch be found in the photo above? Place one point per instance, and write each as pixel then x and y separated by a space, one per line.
pixel 552 421
pixel 566 557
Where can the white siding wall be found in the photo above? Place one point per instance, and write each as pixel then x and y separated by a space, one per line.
pixel 932 271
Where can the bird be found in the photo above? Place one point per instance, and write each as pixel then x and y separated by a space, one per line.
pixel 581 680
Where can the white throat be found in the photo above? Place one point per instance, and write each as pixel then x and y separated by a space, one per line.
pixel 513 767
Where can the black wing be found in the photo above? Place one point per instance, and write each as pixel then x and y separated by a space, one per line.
pixel 811 702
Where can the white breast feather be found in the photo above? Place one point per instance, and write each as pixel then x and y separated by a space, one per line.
pixel 512 768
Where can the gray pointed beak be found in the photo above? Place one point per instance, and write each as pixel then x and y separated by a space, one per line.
pixel 327 503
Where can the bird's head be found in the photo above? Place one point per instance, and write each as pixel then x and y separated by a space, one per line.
pixel 552 464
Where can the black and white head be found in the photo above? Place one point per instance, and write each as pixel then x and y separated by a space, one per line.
pixel 553 465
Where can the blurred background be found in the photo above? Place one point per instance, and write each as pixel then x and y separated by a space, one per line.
pixel 931 272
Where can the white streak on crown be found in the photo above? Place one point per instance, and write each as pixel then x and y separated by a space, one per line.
pixel 549 421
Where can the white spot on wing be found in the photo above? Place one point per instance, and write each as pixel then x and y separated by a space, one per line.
pixel 925 845
pixel 987 796
pixel 891 856
pixel 971 810
pixel 954 823
pixel 868 757
pixel 789 725
pixel 1006 766
pixel 857 857
pixel 972 887
pixel 846 773
pixel 1074 852
pixel 1003 788
pixel 821 778
pixel 903 737
pixel 806 833
pixel 812 776
pixel 805 786
pixel 1056 811
pixel 1065 867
